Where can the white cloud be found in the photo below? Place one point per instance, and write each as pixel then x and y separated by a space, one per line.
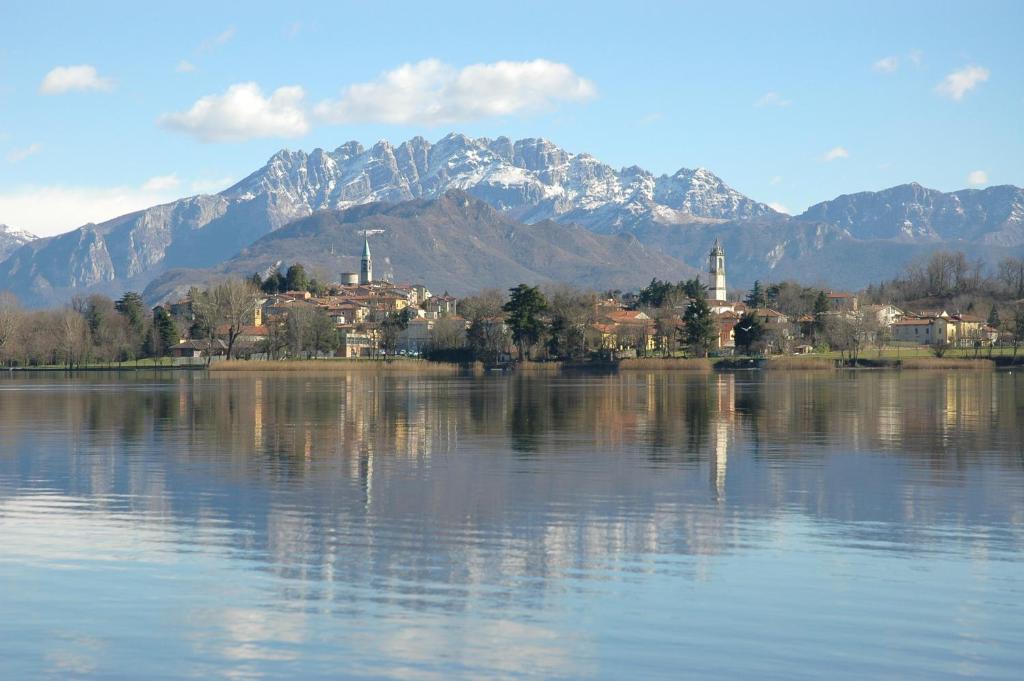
pixel 243 113
pixel 772 99
pixel 185 66
pixel 63 79
pixel 293 29
pixel 915 57
pixel 834 153
pixel 161 183
pixel 652 118
pixel 775 180
pixel 16 155
pixel 431 92
pixel 886 64
pixel 775 205
pixel 977 178
pixel 49 210
pixel 962 81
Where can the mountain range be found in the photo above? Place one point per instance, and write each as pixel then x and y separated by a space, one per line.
pixel 845 242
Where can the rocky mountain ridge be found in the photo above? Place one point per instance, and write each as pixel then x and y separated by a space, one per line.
pixel 993 216
pixel 847 241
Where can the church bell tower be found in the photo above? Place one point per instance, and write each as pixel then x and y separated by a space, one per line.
pixel 716 268
pixel 366 263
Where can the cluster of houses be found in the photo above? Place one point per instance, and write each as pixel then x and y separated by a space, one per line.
pixel 622 329
pixel 358 305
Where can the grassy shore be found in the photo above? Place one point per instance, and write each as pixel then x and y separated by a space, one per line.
pixel 411 366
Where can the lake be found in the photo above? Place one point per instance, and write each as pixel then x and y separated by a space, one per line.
pixel 747 525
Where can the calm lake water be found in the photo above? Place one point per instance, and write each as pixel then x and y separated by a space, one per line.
pixel 640 526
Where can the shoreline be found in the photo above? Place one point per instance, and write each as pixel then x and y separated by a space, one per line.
pixel 689 365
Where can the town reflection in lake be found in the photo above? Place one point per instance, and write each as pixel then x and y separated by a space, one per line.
pixel 639 525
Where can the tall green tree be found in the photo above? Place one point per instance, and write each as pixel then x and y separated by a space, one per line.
pixel 164 329
pixel 700 330
pixel 820 310
pixel 296 278
pixel 757 296
pixel 524 308
pixel 694 288
pixel 131 306
pixel 274 283
pixel 993 317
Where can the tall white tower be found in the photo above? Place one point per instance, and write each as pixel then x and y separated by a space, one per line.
pixel 716 268
pixel 366 263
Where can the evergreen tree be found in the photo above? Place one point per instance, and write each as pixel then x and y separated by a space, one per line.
pixel 749 330
pixel 164 329
pixel 821 307
pixel 130 305
pixel 296 279
pixel 256 280
pixel 700 330
pixel 274 283
pixel 757 297
pixel 993 317
pixel 694 288
pixel 524 307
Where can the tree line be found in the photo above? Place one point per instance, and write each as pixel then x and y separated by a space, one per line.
pixel 91 329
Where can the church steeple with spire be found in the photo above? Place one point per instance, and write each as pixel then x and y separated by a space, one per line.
pixel 366 263
pixel 716 268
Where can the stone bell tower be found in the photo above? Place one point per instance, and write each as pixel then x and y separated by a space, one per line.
pixel 366 263
pixel 716 268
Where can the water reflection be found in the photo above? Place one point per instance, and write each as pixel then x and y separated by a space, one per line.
pixel 407 526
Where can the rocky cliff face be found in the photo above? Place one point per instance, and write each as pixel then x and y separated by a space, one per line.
pixel 12 239
pixel 912 213
pixel 532 179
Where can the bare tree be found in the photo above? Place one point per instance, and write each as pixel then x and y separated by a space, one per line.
pixel 448 334
pixel 1011 274
pixel 225 310
pixel 73 336
pixel 10 325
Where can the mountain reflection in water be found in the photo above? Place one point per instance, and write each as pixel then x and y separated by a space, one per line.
pixel 743 525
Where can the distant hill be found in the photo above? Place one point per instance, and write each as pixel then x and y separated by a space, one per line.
pixel 454 243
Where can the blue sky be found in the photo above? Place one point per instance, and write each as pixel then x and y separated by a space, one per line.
pixel 102 111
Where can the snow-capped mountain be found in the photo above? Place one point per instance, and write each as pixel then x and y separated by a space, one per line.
pixel 12 239
pixel 531 179
pixel 847 241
